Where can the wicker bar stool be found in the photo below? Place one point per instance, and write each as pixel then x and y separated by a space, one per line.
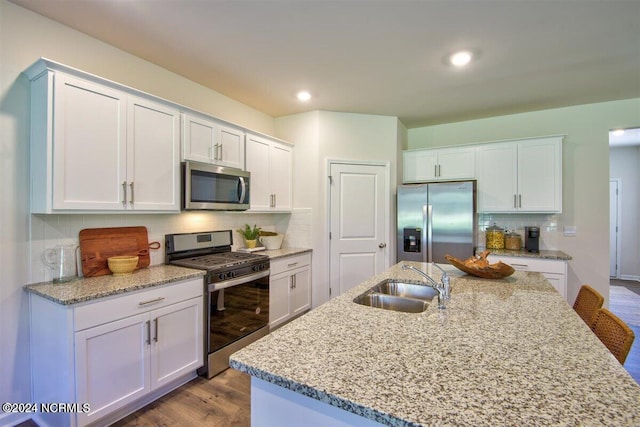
pixel 614 333
pixel 587 303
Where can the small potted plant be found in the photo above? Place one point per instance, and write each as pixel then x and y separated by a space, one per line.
pixel 250 234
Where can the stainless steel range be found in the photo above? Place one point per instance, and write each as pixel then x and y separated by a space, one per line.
pixel 236 294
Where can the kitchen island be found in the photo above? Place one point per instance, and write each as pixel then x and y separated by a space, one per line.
pixel 505 352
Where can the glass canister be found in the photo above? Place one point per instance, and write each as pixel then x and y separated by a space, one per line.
pixel 513 241
pixel 494 237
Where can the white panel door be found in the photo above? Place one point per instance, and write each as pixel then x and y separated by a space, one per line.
pixel 539 179
pixel 231 147
pixel 419 165
pixel 112 365
pixel 177 341
pixel 498 178
pixel 457 163
pixel 613 229
pixel 279 299
pixel 199 137
pixel 358 216
pixel 281 176
pixel 152 157
pixel 257 162
pixel 89 137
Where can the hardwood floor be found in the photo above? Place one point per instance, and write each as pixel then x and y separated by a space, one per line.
pixel 223 400
pixel 624 302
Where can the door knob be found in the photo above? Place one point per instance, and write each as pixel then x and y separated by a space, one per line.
pixel 382 245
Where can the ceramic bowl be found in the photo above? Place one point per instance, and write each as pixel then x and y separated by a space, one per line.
pixel 124 264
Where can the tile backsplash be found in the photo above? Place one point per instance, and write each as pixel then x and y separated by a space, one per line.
pixel 48 231
pixel 548 223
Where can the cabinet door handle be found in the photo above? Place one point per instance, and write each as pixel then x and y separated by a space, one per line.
pixel 148 322
pixel 155 324
pixel 151 301
pixel 515 203
pixel 435 170
pixel 220 151
pixel 124 193
pixel 519 200
pixel 293 279
pixel 131 185
pixel 439 171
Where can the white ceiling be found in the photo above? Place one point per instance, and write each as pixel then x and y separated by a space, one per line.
pixel 379 57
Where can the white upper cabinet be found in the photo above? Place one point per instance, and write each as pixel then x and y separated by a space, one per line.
pixel 270 164
pixel 153 166
pixel 444 164
pixel 521 176
pixel 210 141
pixel 97 148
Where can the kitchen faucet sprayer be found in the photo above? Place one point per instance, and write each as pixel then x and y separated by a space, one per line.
pixel 442 288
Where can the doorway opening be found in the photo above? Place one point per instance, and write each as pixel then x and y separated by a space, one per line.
pixel 624 246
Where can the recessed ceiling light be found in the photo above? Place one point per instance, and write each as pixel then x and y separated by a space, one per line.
pixel 460 59
pixel 618 132
pixel 303 96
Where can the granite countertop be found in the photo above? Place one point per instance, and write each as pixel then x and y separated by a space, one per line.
pixel 522 253
pixel 86 289
pixel 284 252
pixel 505 352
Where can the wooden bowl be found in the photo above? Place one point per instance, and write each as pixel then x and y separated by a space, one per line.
pixel 498 270
pixel 124 264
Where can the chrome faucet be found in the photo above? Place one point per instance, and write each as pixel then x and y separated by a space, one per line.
pixel 442 288
pixel 446 281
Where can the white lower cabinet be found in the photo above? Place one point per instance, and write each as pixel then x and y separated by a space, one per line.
pixel 555 271
pixel 289 288
pixel 120 353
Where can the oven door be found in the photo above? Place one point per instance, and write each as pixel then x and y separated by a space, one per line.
pixel 237 308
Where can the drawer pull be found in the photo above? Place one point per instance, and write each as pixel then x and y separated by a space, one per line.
pixel 520 265
pixel 293 264
pixel 151 301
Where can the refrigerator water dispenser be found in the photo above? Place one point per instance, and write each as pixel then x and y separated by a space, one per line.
pixel 412 239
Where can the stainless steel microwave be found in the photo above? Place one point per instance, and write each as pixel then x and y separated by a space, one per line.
pixel 217 188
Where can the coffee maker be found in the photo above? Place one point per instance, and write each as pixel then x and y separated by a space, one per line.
pixel 532 239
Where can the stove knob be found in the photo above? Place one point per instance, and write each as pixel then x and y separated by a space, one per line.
pixel 232 274
pixel 222 276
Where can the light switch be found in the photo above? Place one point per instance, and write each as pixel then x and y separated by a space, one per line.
pixel 569 231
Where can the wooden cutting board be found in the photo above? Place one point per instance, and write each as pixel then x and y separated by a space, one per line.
pixel 98 244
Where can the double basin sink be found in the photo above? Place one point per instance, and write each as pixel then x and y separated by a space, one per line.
pixel 398 296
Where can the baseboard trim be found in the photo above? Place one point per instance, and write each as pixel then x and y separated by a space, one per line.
pixel 627 277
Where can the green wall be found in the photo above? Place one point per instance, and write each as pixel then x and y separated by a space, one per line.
pixel 585 168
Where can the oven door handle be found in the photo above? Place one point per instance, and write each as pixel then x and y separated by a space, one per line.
pixel 237 281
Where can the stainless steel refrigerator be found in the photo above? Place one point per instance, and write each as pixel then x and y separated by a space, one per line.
pixel 436 219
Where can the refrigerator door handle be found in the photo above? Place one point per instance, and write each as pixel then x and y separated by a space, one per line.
pixel 427 234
